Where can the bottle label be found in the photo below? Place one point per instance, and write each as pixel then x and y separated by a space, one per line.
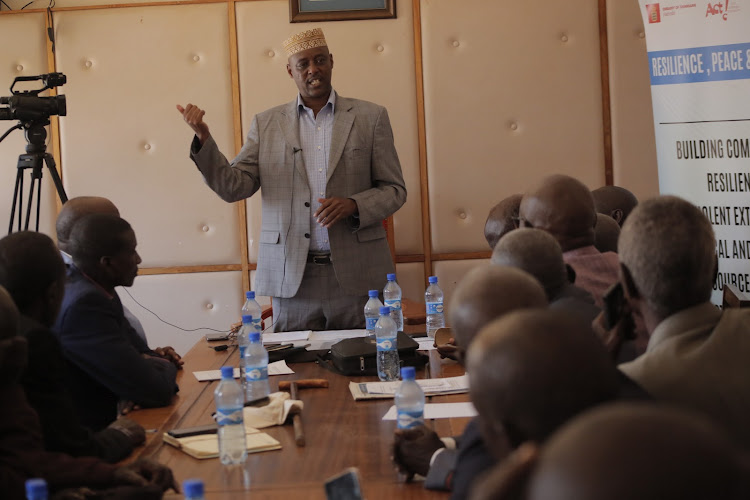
pixel 256 323
pixel 434 308
pixel 370 323
pixel 229 416
pixel 393 304
pixel 256 373
pixel 410 419
pixel 242 351
pixel 387 344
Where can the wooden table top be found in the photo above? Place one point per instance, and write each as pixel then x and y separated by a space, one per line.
pixel 340 433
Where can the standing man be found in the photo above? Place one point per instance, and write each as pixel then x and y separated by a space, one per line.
pixel 330 175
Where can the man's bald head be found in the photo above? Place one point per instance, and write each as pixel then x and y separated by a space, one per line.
pixel 607 232
pixel 500 220
pixel 536 252
pixel 562 206
pixel 488 292
pixel 615 201
pixel 531 371
pixel 9 316
pixel 625 452
pixel 76 208
pixel 667 248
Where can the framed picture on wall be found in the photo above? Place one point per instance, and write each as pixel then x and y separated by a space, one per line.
pixel 302 11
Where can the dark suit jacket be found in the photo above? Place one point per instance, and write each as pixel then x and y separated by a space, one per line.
pixel 104 355
pixel 44 383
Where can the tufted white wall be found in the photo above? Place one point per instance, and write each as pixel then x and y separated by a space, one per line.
pixel 512 92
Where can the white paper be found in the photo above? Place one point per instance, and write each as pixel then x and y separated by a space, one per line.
pixel 325 339
pixel 428 385
pixel 440 410
pixel 275 368
pixel 426 344
pixel 285 337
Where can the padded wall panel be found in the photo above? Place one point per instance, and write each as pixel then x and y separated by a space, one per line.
pixel 633 144
pixel 24 54
pixel 374 60
pixel 450 273
pixel 123 138
pixel 512 93
pixel 189 301
pixel 411 279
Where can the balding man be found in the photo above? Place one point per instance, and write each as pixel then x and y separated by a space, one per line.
pixel 697 354
pixel 625 452
pixel 614 201
pixel 108 362
pixel 538 253
pixel 606 233
pixel 502 219
pixel 33 272
pixel 71 212
pixel 484 294
pixel 22 453
pixel 563 206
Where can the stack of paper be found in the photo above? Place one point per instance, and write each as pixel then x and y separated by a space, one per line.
pixel 430 386
pixel 275 368
pixel 439 410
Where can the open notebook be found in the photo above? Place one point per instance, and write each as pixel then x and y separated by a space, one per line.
pixel 207 445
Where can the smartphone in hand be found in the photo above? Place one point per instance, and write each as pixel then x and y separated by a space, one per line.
pixel 344 486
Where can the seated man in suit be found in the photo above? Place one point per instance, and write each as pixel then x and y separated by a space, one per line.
pixel 485 294
pixel 625 452
pixel 614 201
pixel 501 219
pixel 108 361
pixel 33 272
pixel 538 253
pixel 697 354
pixel 22 453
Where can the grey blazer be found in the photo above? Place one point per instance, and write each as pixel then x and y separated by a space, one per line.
pixel 363 166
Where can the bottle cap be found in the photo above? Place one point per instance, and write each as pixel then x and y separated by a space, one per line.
pixel 254 337
pixel 408 373
pixel 432 279
pixel 373 293
pixel 391 277
pixel 36 488
pixel 250 295
pixel 192 488
pixel 227 372
pixel 247 318
pixel 385 310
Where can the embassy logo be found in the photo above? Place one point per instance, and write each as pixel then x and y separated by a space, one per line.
pixel 654 13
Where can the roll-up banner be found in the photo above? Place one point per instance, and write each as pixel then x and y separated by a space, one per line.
pixel 699 62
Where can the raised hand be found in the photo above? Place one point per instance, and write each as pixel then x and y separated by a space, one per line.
pixel 193 116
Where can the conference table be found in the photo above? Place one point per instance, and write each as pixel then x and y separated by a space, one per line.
pixel 340 433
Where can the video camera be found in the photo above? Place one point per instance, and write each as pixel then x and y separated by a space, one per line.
pixel 27 106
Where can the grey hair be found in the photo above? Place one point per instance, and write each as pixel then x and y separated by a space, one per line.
pixel 668 246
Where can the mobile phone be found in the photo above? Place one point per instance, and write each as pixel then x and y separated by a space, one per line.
pixel 344 486
pixel 614 305
pixel 193 431
pixel 211 337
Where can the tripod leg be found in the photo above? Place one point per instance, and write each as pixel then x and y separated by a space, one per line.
pixel 38 202
pixel 16 191
pixel 50 161
pixel 31 199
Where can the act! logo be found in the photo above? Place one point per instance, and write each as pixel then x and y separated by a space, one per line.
pixel 654 13
pixel 722 8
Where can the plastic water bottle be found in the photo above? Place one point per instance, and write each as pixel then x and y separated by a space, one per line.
pixel 243 339
pixel 229 403
pixel 193 489
pixel 387 347
pixel 433 298
pixel 372 311
pixel 36 489
pixel 256 369
pixel 392 298
pixel 409 400
pixel 252 308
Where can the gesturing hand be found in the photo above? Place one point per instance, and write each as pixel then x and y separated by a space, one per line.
pixel 193 116
pixel 333 209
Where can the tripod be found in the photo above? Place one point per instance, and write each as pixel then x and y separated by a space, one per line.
pixel 36 152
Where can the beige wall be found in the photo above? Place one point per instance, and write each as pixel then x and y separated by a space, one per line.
pixel 511 92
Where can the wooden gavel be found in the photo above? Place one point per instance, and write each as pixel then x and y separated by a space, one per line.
pixel 292 386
